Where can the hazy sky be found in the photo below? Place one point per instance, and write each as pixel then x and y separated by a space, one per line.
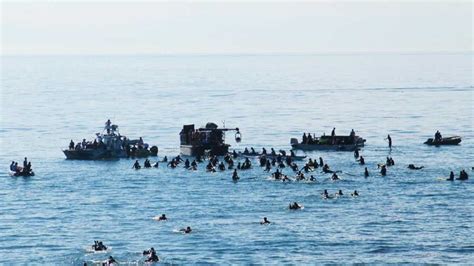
pixel 234 27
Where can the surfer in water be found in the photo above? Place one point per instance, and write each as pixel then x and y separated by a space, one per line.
pixel 235 176
pixel 162 218
pixel 294 206
pixel 265 221
pixel 186 230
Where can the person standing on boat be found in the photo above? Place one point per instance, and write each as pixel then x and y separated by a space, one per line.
pixel 305 139
pixel 71 145
pixel 108 125
pixel 352 135
pixel 25 163
pixel 333 136
pixel 438 136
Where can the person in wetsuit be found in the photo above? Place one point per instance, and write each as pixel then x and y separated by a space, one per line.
pixel 451 176
pixel 265 221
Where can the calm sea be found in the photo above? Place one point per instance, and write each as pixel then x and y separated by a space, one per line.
pixel 407 216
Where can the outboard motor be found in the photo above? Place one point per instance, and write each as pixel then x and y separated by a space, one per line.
pixel 293 141
pixel 154 151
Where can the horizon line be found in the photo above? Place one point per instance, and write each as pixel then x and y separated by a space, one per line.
pixel 243 53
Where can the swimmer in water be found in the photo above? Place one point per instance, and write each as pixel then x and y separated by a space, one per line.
pixel 334 177
pixel 361 160
pixel 186 230
pixel 111 260
pixel 235 176
pixel 162 218
pixel 355 193
pixel 152 257
pixel 326 194
pixel 312 178
pixel 383 170
pixel 413 167
pixel 339 193
pixel 136 165
pixel 294 206
pixel 265 221
pixel 366 172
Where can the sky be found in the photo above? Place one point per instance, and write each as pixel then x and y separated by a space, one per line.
pixel 234 27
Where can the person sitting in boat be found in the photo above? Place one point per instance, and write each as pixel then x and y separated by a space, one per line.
pixel 186 230
pixel 451 176
pixel 463 175
pixel 252 151
pixel 84 144
pixel 12 167
pixel 361 160
pixel 246 151
pixel 294 206
pixel 413 167
pixel 234 154
pixel 437 136
pixel 265 221
pixel 71 145
pixel 304 139
pixel 264 151
pixel 339 193
pixel 310 139
pixel 235 176
pixel 383 170
pixel 335 177
pixel 136 165
pixel 355 194
pixel 273 152
pixel 366 172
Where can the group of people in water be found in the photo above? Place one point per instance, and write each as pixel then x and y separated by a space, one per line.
pixel 26 170
pixel 100 247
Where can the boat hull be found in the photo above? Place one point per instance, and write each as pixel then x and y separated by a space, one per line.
pixel 90 154
pixel 322 147
pixel 445 141
pixel 190 150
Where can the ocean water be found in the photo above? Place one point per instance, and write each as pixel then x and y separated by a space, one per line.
pixel 406 217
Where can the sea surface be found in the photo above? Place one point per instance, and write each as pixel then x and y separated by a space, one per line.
pixel 405 217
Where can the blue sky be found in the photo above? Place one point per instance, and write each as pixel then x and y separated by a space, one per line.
pixel 234 27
